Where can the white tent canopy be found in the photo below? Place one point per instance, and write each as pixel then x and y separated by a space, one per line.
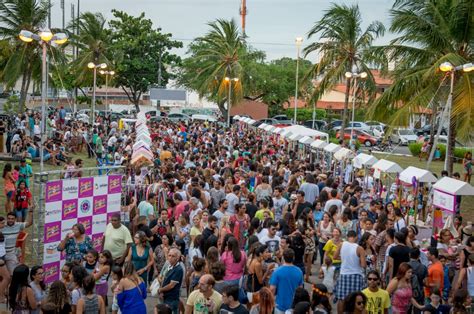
pixel 246 120
pixel 454 187
pixel 363 160
pixel 237 117
pixel 343 153
pixel 306 140
pixel 269 128
pixel 294 137
pixel 318 144
pixel 251 121
pixel 421 175
pixel 277 130
pixel 304 131
pixel 262 126
pixel 285 131
pixel 241 119
pixel 387 166
pixel 332 148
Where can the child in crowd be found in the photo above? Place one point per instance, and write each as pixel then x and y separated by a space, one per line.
pixel 327 274
pixel 101 274
pixel 117 275
pixel 91 260
pixel 198 266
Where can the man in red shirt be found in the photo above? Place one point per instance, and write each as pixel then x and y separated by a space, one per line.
pixel 22 201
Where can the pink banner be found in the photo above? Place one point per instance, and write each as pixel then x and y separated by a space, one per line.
pixel 100 205
pixel 54 191
pixel 51 272
pixel 115 184
pixel 69 209
pixel 86 187
pixel 52 232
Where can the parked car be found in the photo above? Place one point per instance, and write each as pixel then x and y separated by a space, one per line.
pixel 266 121
pixel 318 124
pixel 203 117
pixel 79 116
pixel 176 117
pixel 154 113
pixel 356 125
pixel 377 130
pixel 375 123
pixel 283 120
pixel 403 136
pixel 364 138
pixel 442 139
pixel 334 124
pixel 426 130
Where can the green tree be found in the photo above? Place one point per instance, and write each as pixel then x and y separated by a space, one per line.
pixel 429 33
pixel 17 15
pixel 214 56
pixel 138 49
pixel 343 46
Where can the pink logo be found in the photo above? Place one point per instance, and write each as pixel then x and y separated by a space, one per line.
pixel 54 191
pixel 86 187
pixel 52 232
pixel 69 209
pixel 100 205
pixel 115 184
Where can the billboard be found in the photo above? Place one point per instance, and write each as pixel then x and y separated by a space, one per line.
pixel 90 201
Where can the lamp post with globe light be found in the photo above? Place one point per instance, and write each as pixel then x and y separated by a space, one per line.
pixel 44 37
pixel 93 66
pixel 107 73
pixel 355 76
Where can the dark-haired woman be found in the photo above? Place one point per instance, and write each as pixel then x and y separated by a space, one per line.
pixel 58 295
pixel 355 303
pixel 21 296
pixel 141 255
pixel 78 274
pixel 131 291
pixel 257 275
pixel 76 244
pixel 90 302
pixel 38 286
pixel 8 186
pixel 234 260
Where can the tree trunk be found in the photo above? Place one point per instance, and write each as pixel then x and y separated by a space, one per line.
pixel 23 91
pixel 452 144
pixel 346 105
pixel 434 113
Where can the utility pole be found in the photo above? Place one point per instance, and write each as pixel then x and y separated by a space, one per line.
pixel 63 10
pixel 158 102
pixel 243 14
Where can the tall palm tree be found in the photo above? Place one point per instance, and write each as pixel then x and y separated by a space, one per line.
pixel 93 42
pixel 217 55
pixel 17 15
pixel 430 32
pixel 342 46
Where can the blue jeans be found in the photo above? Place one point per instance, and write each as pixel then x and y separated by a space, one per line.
pixel 321 252
pixel 173 304
pixel 21 213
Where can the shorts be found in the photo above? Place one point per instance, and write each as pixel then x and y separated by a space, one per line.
pixel 346 284
pixel 21 213
pixel 9 195
pixel 101 289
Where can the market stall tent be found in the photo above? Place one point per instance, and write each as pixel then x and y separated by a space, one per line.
pixel 343 153
pixel 262 126
pixel 421 175
pixel 251 121
pixel 388 166
pixel 269 128
pixel 318 144
pixel 306 140
pixel 332 148
pixel 277 130
pixel 453 186
pixel 363 160
pixel 304 131
pixel 237 117
pixel 295 137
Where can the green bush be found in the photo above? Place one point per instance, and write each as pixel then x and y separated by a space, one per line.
pixel 304 114
pixel 459 152
pixel 415 149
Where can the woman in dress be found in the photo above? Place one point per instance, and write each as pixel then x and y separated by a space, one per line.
pixel 131 291
pixel 21 296
pixel 141 255
pixel 234 260
pixel 400 290
pixel 324 232
pixel 8 186
pixel 310 246
pixel 331 247
pixel 76 244
pixel 467 167
pixel 38 286
pixel 161 252
pixel 345 223
pixel 257 276
pixel 367 243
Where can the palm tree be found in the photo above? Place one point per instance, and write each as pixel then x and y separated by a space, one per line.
pixel 342 46
pixel 16 15
pixel 430 33
pixel 217 55
pixel 93 42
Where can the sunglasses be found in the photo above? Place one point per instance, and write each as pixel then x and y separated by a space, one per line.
pixel 372 278
pixel 360 303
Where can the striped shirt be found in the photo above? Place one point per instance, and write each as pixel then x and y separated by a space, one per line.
pixel 11 234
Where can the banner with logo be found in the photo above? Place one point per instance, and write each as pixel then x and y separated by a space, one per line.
pixel 89 201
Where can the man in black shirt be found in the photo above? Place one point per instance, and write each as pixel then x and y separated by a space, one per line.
pixel 230 298
pixel 172 282
pixel 298 205
pixel 398 254
pixel 355 203
pixel 210 229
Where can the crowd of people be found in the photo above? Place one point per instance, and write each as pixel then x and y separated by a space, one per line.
pixel 237 225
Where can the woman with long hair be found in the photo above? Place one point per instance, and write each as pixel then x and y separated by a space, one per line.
pixel 234 260
pixel 38 285
pixel 355 303
pixel 367 243
pixel 467 167
pixel 266 302
pixel 298 245
pixel 257 275
pixel 78 273
pixel 90 301
pixel 8 186
pixel 161 252
pixel 400 289
pixel 212 257
pixel 131 291
pixel 21 297
pixel 320 299
pixel 310 245
pixel 141 255
pixel 58 295
pixel 324 232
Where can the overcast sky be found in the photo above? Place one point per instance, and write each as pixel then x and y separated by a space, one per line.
pixel 272 25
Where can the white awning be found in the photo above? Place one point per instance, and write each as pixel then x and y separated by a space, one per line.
pixel 306 140
pixel 237 117
pixel 285 131
pixel 262 126
pixel 387 166
pixel 318 144
pixel 241 119
pixel 332 148
pixel 363 160
pixel 246 120
pixel 421 175
pixel 269 128
pixel 454 187
pixel 295 137
pixel 251 121
pixel 343 153
pixel 277 130
pixel 304 131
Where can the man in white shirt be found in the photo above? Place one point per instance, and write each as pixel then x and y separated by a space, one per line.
pixel 310 189
pixel 146 209
pixel 280 204
pixel 233 199
pixel 333 201
pixel 221 211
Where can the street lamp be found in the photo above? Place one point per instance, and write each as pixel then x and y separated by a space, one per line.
pixel 355 76
pixel 229 81
pixel 107 73
pixel 44 37
pixel 299 41
pixel 92 65
pixel 448 67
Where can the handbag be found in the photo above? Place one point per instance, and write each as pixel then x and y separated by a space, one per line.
pixel 155 286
